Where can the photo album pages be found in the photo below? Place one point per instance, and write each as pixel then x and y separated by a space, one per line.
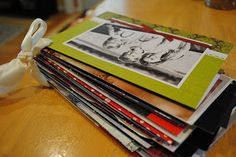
pixel 159 91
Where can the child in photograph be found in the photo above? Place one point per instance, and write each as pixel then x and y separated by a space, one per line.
pixel 158 54
pixel 113 43
pixel 152 42
pixel 118 32
pixel 118 37
pixel 133 55
pixel 166 54
pixel 179 60
pixel 127 37
pixel 146 44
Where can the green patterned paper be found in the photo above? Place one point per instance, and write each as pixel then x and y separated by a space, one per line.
pixel 189 93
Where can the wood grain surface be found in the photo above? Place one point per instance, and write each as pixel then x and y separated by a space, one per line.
pixel 36 121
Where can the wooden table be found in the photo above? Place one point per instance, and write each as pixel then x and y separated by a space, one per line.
pixel 38 122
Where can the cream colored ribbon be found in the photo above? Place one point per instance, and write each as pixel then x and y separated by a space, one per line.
pixel 12 73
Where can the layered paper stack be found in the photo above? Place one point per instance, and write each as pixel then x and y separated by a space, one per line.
pixel 159 91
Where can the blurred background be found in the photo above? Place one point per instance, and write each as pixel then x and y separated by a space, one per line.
pixel 43 8
pixel 17 15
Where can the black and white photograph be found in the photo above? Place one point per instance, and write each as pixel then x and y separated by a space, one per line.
pixel 150 54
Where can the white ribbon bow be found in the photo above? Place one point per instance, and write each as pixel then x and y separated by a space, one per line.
pixel 12 73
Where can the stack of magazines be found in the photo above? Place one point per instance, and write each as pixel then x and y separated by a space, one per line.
pixel 159 91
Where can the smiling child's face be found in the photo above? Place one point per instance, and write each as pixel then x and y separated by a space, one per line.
pixel 135 53
pixel 153 57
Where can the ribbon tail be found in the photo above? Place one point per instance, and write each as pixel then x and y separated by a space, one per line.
pixel 11 75
pixel 37 75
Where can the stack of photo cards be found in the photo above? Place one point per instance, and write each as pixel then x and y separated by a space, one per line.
pixel 157 92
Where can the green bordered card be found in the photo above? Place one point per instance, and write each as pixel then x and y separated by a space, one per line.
pixel 175 64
